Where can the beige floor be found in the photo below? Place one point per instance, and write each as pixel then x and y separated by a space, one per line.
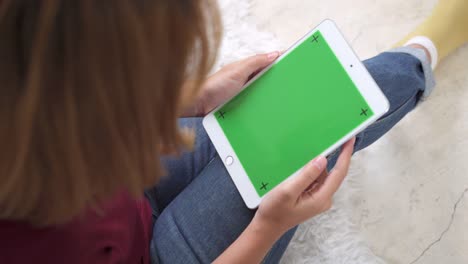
pixel 414 208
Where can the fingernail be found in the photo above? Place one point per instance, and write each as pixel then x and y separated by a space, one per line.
pixel 320 162
pixel 273 55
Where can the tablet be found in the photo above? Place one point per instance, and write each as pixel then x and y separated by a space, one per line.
pixel 309 102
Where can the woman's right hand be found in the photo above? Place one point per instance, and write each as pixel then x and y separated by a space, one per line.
pixel 305 195
pixel 287 205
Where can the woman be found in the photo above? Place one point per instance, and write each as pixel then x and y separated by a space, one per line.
pixel 90 99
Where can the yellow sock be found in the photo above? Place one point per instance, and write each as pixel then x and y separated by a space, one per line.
pixel 447 27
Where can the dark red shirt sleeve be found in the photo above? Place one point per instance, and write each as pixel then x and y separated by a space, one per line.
pixel 120 233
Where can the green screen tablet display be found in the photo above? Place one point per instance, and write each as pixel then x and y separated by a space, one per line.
pixel 295 111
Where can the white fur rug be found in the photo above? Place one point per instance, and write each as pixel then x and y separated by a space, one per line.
pixel 331 237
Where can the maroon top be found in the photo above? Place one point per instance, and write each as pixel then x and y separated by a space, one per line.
pixel 121 233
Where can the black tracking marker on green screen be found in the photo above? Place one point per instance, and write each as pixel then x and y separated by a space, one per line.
pixel 304 104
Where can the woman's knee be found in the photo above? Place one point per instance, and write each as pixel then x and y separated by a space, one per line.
pixel 399 75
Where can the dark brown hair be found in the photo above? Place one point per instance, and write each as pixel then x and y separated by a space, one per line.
pixel 90 93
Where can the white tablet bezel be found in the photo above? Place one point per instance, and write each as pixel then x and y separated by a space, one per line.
pixel 358 73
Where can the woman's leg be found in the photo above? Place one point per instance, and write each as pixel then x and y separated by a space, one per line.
pixel 404 75
pixel 446 27
pixel 209 214
pixel 182 170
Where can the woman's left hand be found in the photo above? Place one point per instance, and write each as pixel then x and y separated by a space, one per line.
pixel 230 80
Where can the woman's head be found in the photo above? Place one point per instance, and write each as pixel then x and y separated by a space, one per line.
pixel 90 92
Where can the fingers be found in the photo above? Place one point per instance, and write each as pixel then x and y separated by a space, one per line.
pixel 307 176
pixel 258 62
pixel 318 182
pixel 339 172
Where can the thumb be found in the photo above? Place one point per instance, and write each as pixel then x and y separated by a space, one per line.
pixel 258 62
pixel 309 174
